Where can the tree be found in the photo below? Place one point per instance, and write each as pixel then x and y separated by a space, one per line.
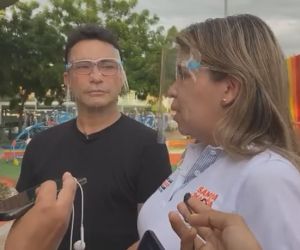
pixel 140 41
pixel 31 53
pixel 32 41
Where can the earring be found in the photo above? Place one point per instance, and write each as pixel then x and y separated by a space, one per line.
pixel 224 101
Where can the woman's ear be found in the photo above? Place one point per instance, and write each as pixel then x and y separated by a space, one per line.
pixel 232 88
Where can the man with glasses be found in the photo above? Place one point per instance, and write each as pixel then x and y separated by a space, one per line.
pixel 120 157
pixel 106 66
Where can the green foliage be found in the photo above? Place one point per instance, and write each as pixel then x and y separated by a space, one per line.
pixel 30 52
pixel 32 42
pixel 141 46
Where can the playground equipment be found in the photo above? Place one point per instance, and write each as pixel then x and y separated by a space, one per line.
pixel 16 149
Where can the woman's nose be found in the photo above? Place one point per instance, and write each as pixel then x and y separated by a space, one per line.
pixel 172 90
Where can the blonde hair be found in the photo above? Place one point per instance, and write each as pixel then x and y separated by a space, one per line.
pixel 245 48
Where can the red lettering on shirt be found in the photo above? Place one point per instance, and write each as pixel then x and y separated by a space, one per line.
pixel 204 195
pixel 165 184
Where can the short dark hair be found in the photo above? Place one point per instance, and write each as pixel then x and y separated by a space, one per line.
pixel 89 32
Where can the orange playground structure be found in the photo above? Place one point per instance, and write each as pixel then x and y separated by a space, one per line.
pixel 293 65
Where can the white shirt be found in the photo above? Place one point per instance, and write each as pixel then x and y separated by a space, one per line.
pixel 264 189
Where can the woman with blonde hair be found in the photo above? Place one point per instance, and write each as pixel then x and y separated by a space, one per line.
pixel 231 94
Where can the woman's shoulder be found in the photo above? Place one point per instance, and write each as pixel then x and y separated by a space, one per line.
pixel 270 160
pixel 269 169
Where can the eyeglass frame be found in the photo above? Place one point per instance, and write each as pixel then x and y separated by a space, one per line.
pixel 190 64
pixel 95 62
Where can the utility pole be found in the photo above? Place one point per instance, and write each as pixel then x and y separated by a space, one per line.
pixel 225 8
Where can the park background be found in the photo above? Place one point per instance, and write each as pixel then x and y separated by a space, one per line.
pixel 33 33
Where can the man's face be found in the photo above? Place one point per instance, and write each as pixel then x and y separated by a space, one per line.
pixel 94 89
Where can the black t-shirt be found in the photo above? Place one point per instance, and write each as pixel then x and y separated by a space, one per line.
pixel 123 164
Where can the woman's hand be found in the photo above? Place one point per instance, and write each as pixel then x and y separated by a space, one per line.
pixel 221 231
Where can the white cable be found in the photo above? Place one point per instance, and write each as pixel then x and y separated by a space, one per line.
pixel 82 207
pixel 72 226
pixel 73 216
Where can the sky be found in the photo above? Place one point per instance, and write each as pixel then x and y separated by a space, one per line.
pixel 283 16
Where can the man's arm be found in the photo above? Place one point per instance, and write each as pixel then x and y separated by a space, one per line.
pixel 44 225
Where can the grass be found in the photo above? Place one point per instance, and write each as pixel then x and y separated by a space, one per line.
pixel 9 170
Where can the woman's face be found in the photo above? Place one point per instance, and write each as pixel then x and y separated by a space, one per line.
pixel 197 102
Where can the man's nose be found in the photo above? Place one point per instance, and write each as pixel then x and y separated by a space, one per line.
pixel 96 74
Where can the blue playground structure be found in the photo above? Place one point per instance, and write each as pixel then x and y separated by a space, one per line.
pixel 16 149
